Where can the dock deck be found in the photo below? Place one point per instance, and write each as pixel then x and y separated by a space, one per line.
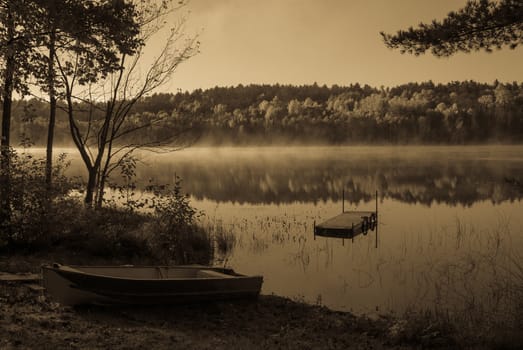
pixel 347 224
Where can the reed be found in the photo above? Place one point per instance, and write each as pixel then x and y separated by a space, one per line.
pixel 478 292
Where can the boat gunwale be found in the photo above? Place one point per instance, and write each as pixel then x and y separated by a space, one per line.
pixel 61 272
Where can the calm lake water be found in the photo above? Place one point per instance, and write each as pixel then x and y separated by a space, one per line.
pixel 450 219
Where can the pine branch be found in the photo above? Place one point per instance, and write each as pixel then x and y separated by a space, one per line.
pixel 480 25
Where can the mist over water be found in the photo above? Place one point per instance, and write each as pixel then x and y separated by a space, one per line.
pixel 276 175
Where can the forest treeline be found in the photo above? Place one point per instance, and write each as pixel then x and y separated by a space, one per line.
pixel 453 113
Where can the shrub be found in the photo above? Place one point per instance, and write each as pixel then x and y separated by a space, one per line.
pixel 159 225
pixel 33 212
pixel 175 235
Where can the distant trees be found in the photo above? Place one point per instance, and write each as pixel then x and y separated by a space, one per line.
pixel 412 113
pixel 454 113
pixel 480 25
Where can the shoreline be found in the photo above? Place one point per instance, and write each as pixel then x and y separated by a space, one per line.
pixel 28 319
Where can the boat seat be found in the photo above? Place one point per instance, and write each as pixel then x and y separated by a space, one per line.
pixel 212 274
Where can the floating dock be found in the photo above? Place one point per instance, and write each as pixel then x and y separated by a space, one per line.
pixel 349 224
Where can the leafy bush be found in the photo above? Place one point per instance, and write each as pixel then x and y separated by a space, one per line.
pixel 33 210
pixel 172 232
pixel 156 225
pixel 105 232
pixel 176 236
pixel 124 192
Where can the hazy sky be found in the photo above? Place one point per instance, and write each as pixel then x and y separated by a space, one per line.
pixel 324 41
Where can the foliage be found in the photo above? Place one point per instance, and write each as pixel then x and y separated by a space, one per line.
pixel 171 227
pixel 125 191
pixel 32 205
pixel 100 32
pixel 453 113
pixel 160 225
pixel 90 31
pixel 106 233
pixel 176 235
pixel 480 25
pixel 16 22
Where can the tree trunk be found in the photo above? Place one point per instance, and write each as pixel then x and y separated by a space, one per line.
pixel 101 191
pixel 82 148
pixel 5 161
pixel 91 187
pixel 52 113
pixel 104 174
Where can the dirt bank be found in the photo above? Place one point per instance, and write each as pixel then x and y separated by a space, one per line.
pixel 28 320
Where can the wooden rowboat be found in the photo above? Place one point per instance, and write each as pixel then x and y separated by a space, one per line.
pixel 145 285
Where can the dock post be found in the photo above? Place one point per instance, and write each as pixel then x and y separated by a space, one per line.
pixel 377 224
pixel 377 221
pixel 376 204
pixel 352 232
pixel 314 229
pixel 343 200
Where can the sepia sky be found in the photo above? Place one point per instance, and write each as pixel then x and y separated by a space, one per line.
pixel 323 41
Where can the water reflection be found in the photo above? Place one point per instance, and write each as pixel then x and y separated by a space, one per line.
pixel 274 176
pixel 427 257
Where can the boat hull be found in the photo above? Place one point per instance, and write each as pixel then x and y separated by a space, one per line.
pixel 139 285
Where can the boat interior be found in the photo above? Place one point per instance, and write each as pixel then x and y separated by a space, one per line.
pixel 153 272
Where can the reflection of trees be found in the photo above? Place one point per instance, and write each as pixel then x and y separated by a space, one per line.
pixel 286 178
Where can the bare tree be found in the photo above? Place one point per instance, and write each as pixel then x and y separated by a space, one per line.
pixel 102 137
